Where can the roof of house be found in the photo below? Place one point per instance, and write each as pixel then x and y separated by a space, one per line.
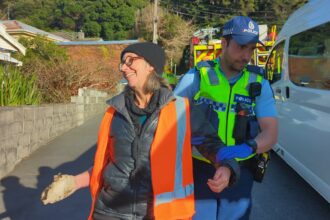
pixel 98 42
pixel 9 43
pixel 17 26
pixel 8 58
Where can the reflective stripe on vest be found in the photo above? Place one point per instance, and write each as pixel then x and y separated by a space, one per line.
pixel 225 95
pixel 102 156
pixel 213 78
pixel 171 163
pixel 198 155
pixel 170 159
pixel 218 106
pixel 179 191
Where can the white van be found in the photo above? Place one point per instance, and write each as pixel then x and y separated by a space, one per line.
pixel 298 69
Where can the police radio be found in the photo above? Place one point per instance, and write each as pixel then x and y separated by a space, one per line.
pixel 254 89
pixel 259 163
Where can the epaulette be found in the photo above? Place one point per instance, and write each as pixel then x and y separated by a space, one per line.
pixel 208 63
pixel 256 69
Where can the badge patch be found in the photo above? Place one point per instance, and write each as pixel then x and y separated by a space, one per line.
pixel 243 99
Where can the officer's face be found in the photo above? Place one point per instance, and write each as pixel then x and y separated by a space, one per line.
pixel 236 56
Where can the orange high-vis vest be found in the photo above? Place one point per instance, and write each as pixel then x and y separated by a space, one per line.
pixel 170 159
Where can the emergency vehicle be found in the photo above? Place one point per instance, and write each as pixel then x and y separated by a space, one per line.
pixel 204 47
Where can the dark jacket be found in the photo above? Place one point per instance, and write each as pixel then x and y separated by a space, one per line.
pixel 127 191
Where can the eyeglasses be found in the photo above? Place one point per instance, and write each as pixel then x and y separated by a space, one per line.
pixel 128 61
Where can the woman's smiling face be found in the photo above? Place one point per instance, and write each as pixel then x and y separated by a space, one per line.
pixel 135 70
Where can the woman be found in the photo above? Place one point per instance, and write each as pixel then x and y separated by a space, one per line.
pixel 143 163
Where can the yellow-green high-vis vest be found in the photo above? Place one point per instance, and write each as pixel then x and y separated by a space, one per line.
pixel 216 92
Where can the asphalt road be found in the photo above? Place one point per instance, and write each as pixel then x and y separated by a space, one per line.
pixel 285 195
pixel 282 195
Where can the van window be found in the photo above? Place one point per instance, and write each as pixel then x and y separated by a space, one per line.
pixel 309 58
pixel 274 63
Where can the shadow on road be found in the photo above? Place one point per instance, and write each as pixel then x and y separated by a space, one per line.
pixel 24 203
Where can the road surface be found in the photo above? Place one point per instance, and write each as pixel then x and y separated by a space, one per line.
pixel 282 195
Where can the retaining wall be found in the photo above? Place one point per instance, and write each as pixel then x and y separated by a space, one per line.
pixel 24 129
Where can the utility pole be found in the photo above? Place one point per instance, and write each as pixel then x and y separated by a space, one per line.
pixel 155 20
pixel 8 12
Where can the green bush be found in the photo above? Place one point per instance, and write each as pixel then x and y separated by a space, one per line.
pixel 39 48
pixel 17 89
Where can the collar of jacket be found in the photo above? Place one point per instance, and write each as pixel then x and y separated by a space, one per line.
pixel 118 101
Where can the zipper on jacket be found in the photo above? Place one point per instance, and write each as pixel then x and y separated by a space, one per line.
pixel 135 195
pixel 227 113
pixel 142 131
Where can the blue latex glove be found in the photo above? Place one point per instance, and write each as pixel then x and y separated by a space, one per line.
pixel 236 151
pixel 197 140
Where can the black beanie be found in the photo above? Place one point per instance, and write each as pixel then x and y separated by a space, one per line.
pixel 151 52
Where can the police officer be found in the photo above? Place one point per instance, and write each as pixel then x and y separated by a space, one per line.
pixel 171 78
pixel 239 103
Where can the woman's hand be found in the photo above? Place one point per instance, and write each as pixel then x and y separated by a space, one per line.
pixel 220 179
pixel 62 187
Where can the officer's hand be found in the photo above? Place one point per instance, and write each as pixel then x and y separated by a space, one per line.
pixel 236 151
pixel 62 187
pixel 220 179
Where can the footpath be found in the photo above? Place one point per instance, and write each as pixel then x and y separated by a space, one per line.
pixel 69 153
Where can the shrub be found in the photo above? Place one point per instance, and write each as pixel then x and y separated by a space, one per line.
pixel 57 77
pixel 18 89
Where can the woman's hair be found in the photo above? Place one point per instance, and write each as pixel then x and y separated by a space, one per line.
pixel 155 82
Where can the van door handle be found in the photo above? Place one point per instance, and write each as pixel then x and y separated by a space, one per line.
pixel 287 92
pixel 278 94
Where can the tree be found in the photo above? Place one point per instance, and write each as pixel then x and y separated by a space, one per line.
pixel 70 14
pixel 216 12
pixel 92 28
pixel 173 32
pixel 35 12
pixel 111 20
pixel 283 8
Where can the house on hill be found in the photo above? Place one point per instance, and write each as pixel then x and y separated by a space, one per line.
pixel 9 45
pixel 18 29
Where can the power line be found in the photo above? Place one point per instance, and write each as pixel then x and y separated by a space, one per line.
pixel 202 20
pixel 216 13
pixel 199 15
pixel 213 6
pixel 203 11
pixel 155 21
pixel 220 15
pixel 186 14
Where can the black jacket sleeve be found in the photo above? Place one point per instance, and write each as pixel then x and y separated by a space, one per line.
pixel 210 143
